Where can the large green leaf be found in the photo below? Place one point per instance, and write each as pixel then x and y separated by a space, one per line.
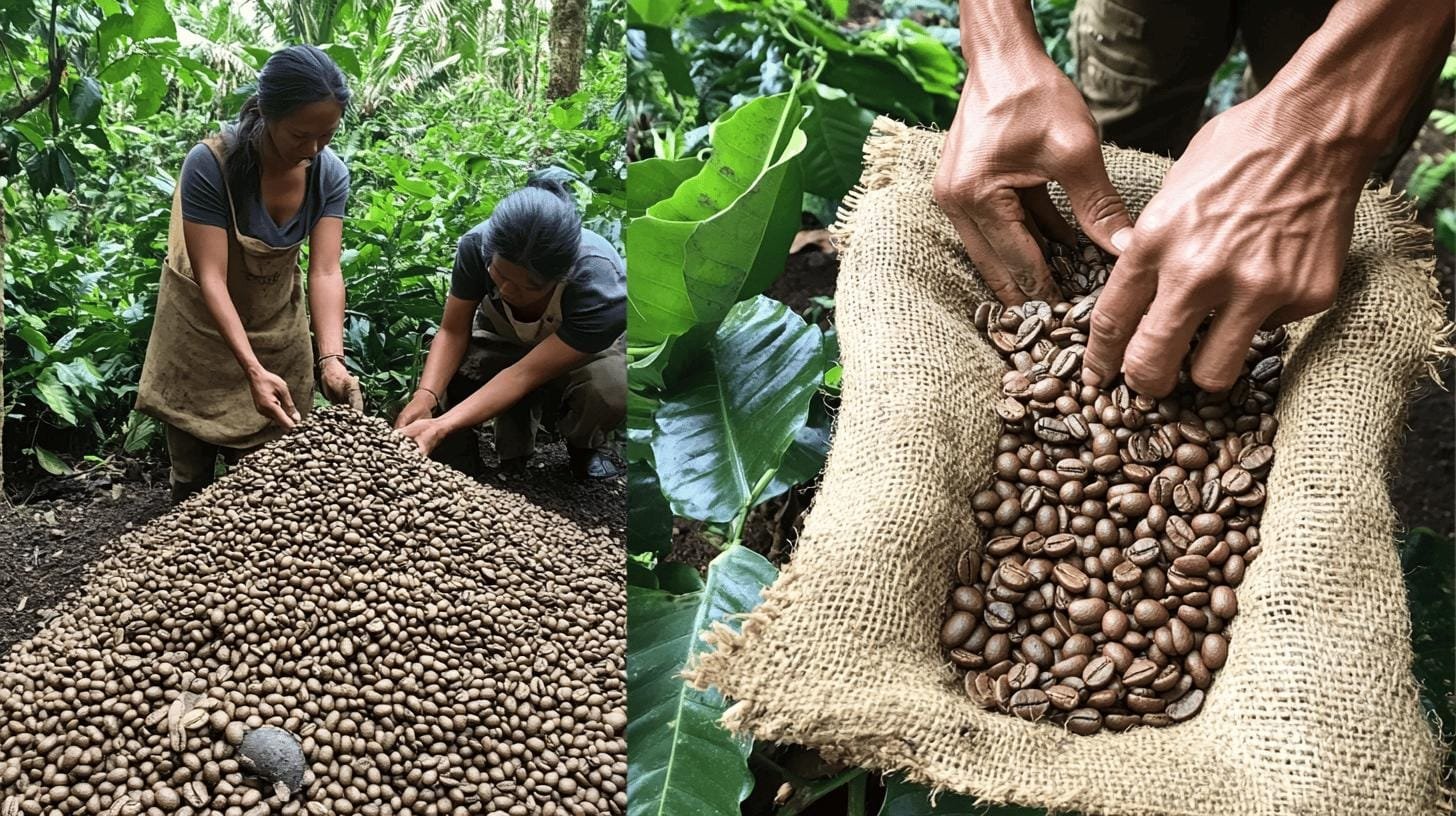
pixel 150 19
pixel 726 426
pixel 837 129
pixel 51 463
pixel 56 397
pixel 649 519
pixel 806 454
pixel 653 46
pixel 85 100
pixel 1429 562
pixel 652 180
pixel 905 799
pixel 723 234
pixel 652 12
pixel 679 760
pixel 152 88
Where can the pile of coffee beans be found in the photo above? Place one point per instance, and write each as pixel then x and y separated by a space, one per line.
pixel 1118 528
pixel 433 646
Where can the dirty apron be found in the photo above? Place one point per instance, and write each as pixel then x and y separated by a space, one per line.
pixel 190 379
pixel 587 401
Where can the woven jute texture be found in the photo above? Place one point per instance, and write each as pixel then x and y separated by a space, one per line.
pixel 1316 711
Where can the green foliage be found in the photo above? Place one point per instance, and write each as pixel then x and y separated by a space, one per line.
pixel 679 759
pixel 1429 563
pixel 88 204
pixel 905 799
pixel 722 432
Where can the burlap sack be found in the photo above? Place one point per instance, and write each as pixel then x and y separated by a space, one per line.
pixel 1316 710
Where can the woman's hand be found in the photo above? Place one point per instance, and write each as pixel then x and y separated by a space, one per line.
pixel 427 433
pixel 339 386
pixel 1250 225
pixel 421 406
pixel 272 399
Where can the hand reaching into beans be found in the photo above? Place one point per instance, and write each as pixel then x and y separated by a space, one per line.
pixel 1252 223
pixel 1022 124
pixel 1247 226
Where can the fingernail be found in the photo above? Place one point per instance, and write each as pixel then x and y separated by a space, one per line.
pixel 1090 377
pixel 1122 238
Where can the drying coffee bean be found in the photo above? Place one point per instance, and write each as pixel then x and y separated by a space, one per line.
pixel 429 645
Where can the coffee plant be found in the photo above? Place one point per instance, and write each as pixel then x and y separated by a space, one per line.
pixel 743 116
pixel 450 114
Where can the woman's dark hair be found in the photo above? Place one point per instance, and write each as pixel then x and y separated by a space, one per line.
pixel 296 76
pixel 536 227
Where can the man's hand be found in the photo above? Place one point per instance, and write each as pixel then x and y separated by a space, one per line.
pixel 272 399
pixel 421 406
pixel 1249 226
pixel 339 386
pixel 427 433
pixel 1021 123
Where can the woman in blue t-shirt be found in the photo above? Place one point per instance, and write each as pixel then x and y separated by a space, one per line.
pixel 230 364
pixel 533 328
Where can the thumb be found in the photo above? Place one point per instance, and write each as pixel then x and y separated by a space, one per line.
pixel 1098 207
pixel 285 398
pixel 356 395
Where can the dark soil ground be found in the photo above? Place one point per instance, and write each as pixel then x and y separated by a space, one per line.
pixel 65 525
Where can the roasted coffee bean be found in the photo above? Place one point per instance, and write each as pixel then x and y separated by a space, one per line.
pixel 1144 701
pixel 1023 675
pixel 1015 576
pixel 1029 704
pixel 1186 706
pixel 1084 721
pixel 1070 578
pixel 1214 651
pixel 1150 614
pixel 1099 672
pixel 1036 650
pixel 1063 697
pixel 1114 623
pixel 1087 611
pixel 1120 655
pixel 1000 616
pixel 1120 522
pixel 957 629
pixel 1222 600
pixel 998 648
pixel 968 599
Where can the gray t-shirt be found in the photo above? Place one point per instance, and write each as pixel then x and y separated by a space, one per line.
pixel 203 201
pixel 593 305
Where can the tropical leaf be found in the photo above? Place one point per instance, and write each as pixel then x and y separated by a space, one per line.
pixel 679 760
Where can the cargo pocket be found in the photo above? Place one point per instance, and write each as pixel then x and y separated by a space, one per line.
pixel 1114 67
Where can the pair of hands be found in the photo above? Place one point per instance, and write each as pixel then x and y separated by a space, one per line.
pixel 417 422
pixel 1249 225
pixel 273 400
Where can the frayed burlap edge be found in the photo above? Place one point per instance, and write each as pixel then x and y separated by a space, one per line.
pixel 1410 244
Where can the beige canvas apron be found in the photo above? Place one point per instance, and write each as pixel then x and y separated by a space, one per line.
pixel 528 334
pixel 190 378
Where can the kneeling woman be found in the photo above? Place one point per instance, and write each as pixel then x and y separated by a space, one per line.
pixel 230 365
pixel 533 328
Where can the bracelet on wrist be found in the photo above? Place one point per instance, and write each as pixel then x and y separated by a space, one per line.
pixel 326 357
pixel 439 404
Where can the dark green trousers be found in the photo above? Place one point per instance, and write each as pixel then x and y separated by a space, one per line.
pixel 1144 66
